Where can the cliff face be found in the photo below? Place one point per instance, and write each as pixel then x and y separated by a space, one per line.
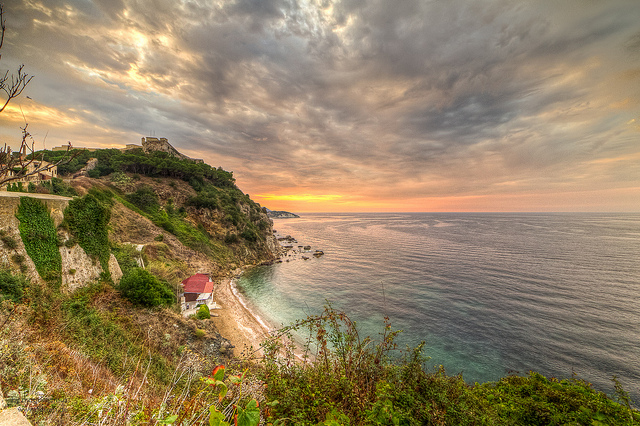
pixel 77 267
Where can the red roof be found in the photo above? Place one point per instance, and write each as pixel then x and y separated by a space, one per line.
pixel 198 283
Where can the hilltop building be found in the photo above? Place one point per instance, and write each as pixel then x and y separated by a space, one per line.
pixel 151 144
pixel 48 170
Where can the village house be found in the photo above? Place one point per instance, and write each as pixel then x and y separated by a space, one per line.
pixel 197 290
pixel 49 171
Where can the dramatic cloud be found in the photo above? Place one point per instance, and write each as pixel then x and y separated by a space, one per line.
pixel 353 104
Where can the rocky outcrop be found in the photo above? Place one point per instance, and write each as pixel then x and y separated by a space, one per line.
pixel 278 214
pixel 78 268
pixel 13 417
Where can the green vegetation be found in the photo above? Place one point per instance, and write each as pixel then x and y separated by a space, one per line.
pixel 87 219
pixel 105 335
pixel 145 199
pixel 174 222
pixel 156 164
pixel 126 255
pixel 352 381
pixel 203 312
pixel 40 238
pixel 12 287
pixel 215 190
pixel 55 186
pixel 144 289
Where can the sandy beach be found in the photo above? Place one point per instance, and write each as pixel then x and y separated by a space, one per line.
pixel 236 323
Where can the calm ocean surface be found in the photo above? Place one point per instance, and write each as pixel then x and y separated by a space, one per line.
pixel 489 293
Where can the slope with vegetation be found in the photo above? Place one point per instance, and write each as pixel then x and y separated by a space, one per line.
pixel 119 353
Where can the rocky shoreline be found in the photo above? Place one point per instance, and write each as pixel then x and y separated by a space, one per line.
pixel 235 320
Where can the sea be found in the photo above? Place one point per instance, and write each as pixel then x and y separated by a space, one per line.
pixel 490 294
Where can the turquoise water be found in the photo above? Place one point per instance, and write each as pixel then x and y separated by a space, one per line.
pixel 488 293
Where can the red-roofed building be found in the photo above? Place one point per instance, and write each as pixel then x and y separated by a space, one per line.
pixel 197 290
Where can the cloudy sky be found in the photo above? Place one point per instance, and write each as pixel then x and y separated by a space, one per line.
pixel 352 105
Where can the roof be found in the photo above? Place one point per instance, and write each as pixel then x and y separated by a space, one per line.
pixel 198 283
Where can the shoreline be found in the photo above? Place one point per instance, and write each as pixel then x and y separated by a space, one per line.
pixel 236 322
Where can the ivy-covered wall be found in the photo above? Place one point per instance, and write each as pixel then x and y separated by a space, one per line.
pixel 87 219
pixel 38 233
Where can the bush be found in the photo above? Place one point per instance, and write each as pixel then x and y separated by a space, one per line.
pixel 9 242
pixel 203 312
pixel 249 235
pixel 143 288
pixel 145 199
pixel 55 186
pixel 11 286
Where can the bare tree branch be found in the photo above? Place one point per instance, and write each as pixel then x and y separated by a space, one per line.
pixel 23 163
pixel 20 165
pixel 12 85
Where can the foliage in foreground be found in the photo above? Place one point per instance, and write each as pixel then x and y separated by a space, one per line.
pixel 354 381
pixel 345 380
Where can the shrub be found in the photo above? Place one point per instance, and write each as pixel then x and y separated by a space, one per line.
pixel 56 186
pixel 203 312
pixel 119 177
pixel 200 333
pixel 9 242
pixel 249 235
pixel 11 286
pixel 143 288
pixel 145 199
pixel 231 238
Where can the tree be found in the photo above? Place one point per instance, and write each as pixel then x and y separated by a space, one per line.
pixel 15 166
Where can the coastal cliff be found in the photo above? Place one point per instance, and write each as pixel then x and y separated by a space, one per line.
pixel 278 214
pixel 191 218
pixel 83 352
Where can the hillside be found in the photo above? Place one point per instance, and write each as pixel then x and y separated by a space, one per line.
pixel 89 337
pixel 65 318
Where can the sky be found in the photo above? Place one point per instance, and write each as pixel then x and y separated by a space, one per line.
pixel 352 105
